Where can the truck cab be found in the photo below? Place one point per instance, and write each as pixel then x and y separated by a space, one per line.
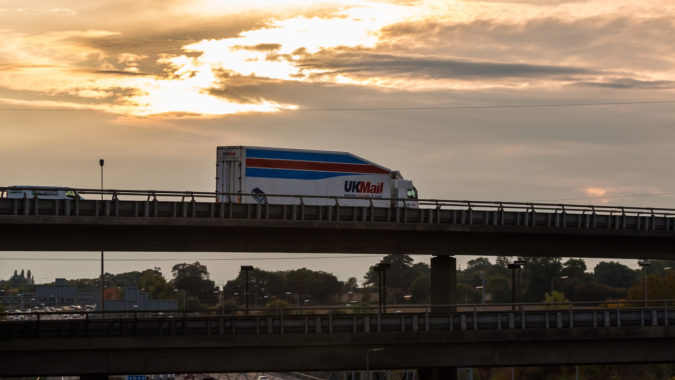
pixel 404 190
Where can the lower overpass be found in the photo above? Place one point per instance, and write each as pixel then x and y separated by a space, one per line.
pixel 470 337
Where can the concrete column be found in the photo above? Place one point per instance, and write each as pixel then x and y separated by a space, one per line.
pixel 443 283
pixel 443 292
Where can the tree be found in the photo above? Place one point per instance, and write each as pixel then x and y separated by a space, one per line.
pixel 592 291
pixel 155 284
pixel 614 274
pixel 658 288
pixel 499 288
pixel 350 285
pixel 574 268
pixel 480 263
pixel 317 286
pixel 537 275
pixel 321 286
pixel 194 279
pixel 419 290
pixel 399 276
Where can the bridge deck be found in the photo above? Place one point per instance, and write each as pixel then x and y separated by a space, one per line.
pixel 337 341
pixel 185 223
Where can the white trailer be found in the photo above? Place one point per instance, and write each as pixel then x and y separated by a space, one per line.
pixel 352 180
pixel 41 192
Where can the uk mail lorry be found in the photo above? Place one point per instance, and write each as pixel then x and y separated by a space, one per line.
pixel 248 174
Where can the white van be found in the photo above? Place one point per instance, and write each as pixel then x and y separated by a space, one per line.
pixel 41 192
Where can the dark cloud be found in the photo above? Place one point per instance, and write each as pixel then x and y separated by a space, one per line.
pixel 106 95
pixel 159 40
pixel 629 83
pixel 119 72
pixel 261 47
pixel 369 64
pixel 607 42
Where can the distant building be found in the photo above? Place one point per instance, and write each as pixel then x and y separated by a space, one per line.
pixel 57 294
pixel 136 300
pixel 62 294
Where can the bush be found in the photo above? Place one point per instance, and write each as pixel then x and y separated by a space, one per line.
pixel 553 298
pixel 274 306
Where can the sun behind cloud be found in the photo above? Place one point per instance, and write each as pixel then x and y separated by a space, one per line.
pixel 428 45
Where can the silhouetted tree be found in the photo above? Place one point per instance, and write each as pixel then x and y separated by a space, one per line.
pixel 194 279
pixel 614 274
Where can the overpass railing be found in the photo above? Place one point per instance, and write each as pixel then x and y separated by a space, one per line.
pixel 189 204
pixel 330 320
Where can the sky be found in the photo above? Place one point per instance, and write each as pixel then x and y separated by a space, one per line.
pixel 515 100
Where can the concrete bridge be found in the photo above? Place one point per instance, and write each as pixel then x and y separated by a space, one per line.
pixel 177 221
pixel 327 340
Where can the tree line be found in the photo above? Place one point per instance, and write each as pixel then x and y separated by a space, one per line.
pixel 407 281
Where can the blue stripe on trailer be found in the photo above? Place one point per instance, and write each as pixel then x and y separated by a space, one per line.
pixel 293 174
pixel 304 156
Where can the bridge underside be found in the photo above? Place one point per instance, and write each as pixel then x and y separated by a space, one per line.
pixel 60 233
pixel 178 354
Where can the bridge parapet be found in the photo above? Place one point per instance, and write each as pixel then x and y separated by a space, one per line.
pixel 336 341
pixel 177 204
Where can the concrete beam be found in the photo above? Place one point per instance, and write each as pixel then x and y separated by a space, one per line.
pixel 84 233
pixel 343 351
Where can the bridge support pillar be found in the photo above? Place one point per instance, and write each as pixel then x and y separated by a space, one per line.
pixel 445 373
pixel 443 283
pixel 443 293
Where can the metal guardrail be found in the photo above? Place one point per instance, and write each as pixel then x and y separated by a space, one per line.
pixel 308 320
pixel 155 203
pixel 153 195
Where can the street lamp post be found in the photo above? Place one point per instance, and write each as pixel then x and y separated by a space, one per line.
pixel 644 264
pixel 381 269
pixel 482 287
pixel 246 269
pixel 222 298
pixel 101 162
pixel 376 349
pixel 513 266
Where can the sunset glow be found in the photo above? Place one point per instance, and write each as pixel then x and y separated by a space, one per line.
pixel 355 43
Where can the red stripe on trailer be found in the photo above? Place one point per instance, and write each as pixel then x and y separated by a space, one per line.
pixel 312 165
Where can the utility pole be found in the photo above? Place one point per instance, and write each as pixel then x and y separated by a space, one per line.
pixel 246 269
pixel 382 279
pixel 644 264
pixel 515 265
pixel 101 162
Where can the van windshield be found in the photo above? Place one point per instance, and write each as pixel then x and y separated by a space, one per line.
pixel 71 194
pixel 412 193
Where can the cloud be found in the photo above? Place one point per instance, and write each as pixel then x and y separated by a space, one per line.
pixel 367 64
pixel 607 42
pixel 217 57
pixel 630 83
